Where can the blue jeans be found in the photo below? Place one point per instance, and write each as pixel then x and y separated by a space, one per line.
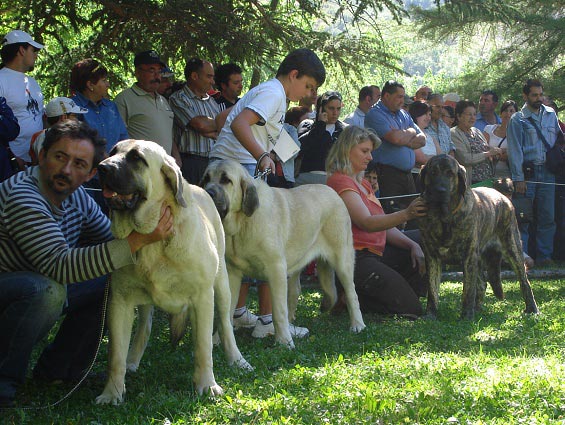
pixel 544 199
pixel 30 304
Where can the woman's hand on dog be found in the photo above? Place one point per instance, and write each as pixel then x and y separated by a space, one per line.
pixel 163 230
pixel 417 208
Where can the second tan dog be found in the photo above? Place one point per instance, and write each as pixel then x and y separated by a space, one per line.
pixel 272 234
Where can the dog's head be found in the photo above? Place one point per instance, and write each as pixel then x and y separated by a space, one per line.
pixel 231 187
pixel 444 182
pixel 137 177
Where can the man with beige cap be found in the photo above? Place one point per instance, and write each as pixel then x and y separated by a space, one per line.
pixel 22 93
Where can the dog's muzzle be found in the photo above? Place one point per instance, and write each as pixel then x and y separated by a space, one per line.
pixel 117 189
pixel 220 199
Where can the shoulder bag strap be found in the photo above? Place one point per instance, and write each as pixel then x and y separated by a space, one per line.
pixel 540 135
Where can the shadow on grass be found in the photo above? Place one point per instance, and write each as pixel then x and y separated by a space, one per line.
pixel 163 385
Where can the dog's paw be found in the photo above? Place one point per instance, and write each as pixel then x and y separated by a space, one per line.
pixel 210 391
pixel 241 363
pixel 109 398
pixel 532 310
pixel 132 367
pixel 357 327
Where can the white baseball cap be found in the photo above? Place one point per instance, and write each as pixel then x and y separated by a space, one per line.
pixel 63 106
pixel 18 36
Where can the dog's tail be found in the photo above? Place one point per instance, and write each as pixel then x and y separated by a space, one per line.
pixel 178 323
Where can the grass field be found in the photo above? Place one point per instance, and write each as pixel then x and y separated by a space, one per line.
pixel 502 368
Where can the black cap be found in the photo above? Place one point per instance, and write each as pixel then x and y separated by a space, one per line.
pixel 148 57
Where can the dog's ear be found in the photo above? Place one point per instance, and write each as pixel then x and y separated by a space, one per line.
pixel 461 179
pixel 250 198
pixel 173 175
pixel 423 176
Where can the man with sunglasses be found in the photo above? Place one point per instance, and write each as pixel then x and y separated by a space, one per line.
pixel 146 113
pixel 23 94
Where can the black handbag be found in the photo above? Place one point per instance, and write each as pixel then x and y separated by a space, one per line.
pixel 524 208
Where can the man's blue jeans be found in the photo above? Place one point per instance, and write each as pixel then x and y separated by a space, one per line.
pixel 30 305
pixel 544 198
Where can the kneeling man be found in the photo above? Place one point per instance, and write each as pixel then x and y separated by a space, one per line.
pixel 53 234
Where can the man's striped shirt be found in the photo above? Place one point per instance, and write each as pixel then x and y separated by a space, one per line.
pixel 68 244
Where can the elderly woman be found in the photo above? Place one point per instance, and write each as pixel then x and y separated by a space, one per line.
pixel 388 264
pixel 471 149
pixel 495 134
pixel 89 83
pixel 316 143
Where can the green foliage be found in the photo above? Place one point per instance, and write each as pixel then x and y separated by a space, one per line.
pixel 256 34
pixel 527 39
pixel 504 367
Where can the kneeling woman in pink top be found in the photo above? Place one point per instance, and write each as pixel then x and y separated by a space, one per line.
pixel 389 264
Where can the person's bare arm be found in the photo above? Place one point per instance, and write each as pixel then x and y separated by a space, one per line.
pixel 408 137
pixel 203 125
pixel 222 117
pixel 362 217
pixel 241 127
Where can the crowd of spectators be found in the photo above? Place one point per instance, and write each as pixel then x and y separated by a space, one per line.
pixel 388 137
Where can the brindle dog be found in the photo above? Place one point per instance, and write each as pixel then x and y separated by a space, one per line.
pixel 476 227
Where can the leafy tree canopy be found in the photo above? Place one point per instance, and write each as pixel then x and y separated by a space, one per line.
pixel 528 37
pixel 254 33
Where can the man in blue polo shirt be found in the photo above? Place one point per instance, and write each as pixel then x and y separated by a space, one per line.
pixel 400 136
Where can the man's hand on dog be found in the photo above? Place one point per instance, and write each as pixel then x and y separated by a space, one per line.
pixel 163 230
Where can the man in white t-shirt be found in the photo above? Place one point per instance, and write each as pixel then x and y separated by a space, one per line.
pixel 22 93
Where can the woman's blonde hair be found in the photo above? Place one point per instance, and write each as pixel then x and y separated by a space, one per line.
pixel 338 157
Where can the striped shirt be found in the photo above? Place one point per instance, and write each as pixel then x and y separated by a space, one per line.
pixel 68 244
pixel 187 106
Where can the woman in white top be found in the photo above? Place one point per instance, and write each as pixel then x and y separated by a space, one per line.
pixel 421 113
pixel 496 137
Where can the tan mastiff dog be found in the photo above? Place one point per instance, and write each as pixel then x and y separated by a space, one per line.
pixel 182 275
pixel 474 227
pixel 272 234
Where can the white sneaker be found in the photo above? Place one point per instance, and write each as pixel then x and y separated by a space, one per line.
pixel 262 330
pixel 245 320
pixel 298 332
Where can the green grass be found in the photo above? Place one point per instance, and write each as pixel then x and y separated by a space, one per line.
pixel 502 368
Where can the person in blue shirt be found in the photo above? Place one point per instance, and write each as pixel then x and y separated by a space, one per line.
pixel 488 102
pixel 400 136
pixel 525 134
pixel 89 83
